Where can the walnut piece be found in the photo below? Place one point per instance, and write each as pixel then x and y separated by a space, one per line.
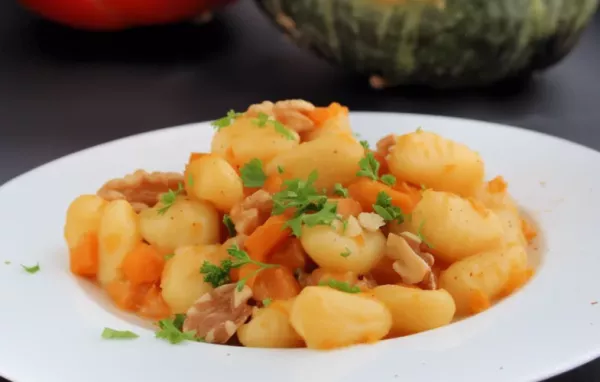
pixel 218 314
pixel 292 113
pixel 141 189
pixel 409 265
pixel 370 221
pixel 251 212
pixel 385 144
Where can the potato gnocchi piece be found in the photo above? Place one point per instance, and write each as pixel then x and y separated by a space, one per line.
pixel 456 228
pixel 415 310
pixel 185 222
pixel 118 234
pixel 181 281
pixel 237 143
pixel 213 179
pixel 270 328
pixel 327 318
pixel 83 215
pixel 476 281
pixel 334 157
pixel 336 251
pixel 494 195
pixel 426 158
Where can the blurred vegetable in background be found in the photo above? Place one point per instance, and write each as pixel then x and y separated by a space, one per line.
pixel 120 14
pixel 438 43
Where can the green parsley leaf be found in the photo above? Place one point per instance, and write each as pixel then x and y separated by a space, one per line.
pixel 267 301
pixel 341 286
pixel 300 195
pixel 7 262
pixel 281 129
pixel 112 334
pixel 388 179
pixel 384 208
pixel 190 180
pixel 33 269
pixel 229 225
pixel 340 190
pixel 346 253
pixel 216 275
pixel 419 129
pixel 365 145
pixel 226 120
pixel 262 120
pixel 253 174
pixel 423 187
pixel 280 169
pixel 219 275
pixel 169 256
pixel 369 167
pixel 344 225
pixel 325 216
pixel 179 320
pixel 420 235
pixel 356 135
pixel 171 330
pixel 168 199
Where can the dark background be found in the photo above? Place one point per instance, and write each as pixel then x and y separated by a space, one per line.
pixel 63 90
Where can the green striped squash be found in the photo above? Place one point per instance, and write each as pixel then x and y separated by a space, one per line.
pixel 438 43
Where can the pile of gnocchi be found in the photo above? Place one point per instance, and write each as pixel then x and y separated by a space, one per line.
pixel 291 232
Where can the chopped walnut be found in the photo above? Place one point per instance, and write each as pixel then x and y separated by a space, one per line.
pixel 408 264
pixel 265 107
pixel 385 144
pixel 218 314
pixel 293 114
pixel 370 221
pixel 252 212
pixel 141 189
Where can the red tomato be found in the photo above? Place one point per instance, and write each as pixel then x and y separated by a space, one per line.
pixel 119 14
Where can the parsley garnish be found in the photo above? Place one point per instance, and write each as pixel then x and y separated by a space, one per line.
pixel 33 269
pixel 365 145
pixel 420 235
pixel 340 190
pixel 218 276
pixel 229 225
pixel 226 120
pixel 341 286
pixel 369 167
pixel 419 129
pixel 263 119
pixel 346 253
pixel 344 226
pixel 388 179
pixel 168 198
pixel 253 174
pixel 169 256
pixel 112 334
pixel 267 301
pixel 7 262
pixel 423 187
pixel 281 129
pixel 172 330
pixel 190 180
pixel 384 208
pixel 280 169
pixel 311 207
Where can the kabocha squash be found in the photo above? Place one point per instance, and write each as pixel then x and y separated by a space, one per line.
pixel 437 43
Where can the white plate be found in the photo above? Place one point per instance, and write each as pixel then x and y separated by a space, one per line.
pixel 51 322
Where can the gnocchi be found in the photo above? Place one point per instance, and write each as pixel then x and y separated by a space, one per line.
pixel 455 227
pixel 185 222
pixel 290 233
pixel 444 165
